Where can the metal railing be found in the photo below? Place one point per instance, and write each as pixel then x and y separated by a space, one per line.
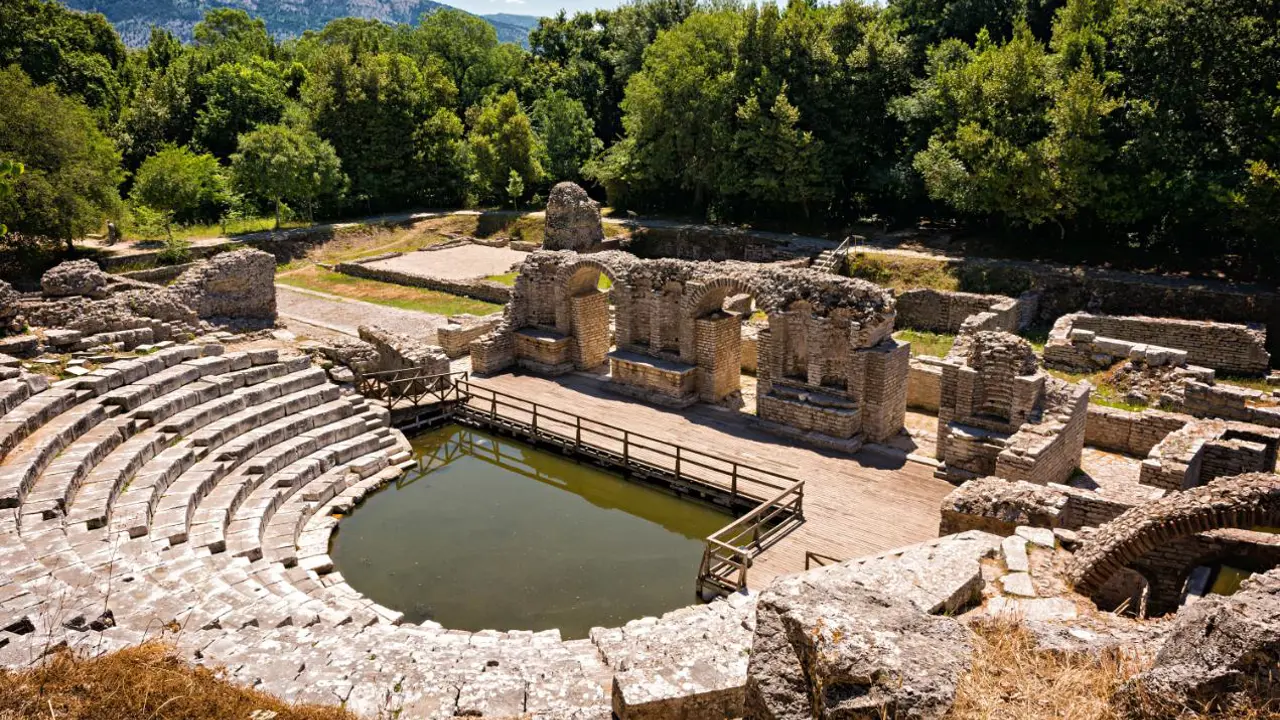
pixel 410 387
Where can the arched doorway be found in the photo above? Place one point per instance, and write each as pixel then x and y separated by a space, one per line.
pixel 583 312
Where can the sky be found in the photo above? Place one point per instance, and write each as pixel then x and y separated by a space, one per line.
pixel 538 8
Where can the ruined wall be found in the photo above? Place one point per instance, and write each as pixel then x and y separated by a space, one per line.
pixel 456 337
pixel 1131 433
pixel 944 311
pixel 476 288
pixel 237 284
pixel 924 383
pixel 1230 348
pixel 1230 402
pixel 1203 450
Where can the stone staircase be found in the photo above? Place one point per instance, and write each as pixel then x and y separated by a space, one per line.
pixel 188 495
pixel 832 260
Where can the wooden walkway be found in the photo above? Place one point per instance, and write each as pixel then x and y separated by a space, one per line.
pixel 853 506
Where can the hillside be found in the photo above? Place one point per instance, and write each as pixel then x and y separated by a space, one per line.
pixel 284 18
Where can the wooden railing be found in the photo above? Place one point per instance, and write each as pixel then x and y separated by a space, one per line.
pixel 647 457
pixel 410 387
pixel 727 557
pixel 813 559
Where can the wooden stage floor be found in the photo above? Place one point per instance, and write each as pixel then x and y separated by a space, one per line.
pixel 854 505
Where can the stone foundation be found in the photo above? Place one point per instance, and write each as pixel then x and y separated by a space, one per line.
pixel 944 311
pixel 456 337
pixel 1081 341
pixel 543 351
pixel 653 380
pixel 1131 433
pixel 1203 450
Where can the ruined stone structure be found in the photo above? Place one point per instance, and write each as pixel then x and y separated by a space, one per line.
pixel 1000 414
pixel 572 220
pixel 945 311
pixel 1202 450
pixel 1084 342
pixel 827 367
pixel 237 284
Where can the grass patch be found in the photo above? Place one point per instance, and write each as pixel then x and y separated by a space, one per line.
pixel 382 293
pixel 926 343
pixel 147 681
pixel 1037 335
pixel 1252 383
pixel 508 279
pixel 902 273
pixel 1105 392
pixel 243 226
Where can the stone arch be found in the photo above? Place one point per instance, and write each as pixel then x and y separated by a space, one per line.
pixel 702 297
pixel 582 310
pixel 710 340
pixel 1243 501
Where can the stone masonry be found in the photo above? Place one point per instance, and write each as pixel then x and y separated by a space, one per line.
pixel 1081 341
pixel 1203 450
pixel 1000 414
pixel 828 370
pixel 572 220
pixel 945 311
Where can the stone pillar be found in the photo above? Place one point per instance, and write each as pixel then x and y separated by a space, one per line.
pixel 719 343
pixel 623 308
pixel 884 390
pixel 766 362
pixel 590 315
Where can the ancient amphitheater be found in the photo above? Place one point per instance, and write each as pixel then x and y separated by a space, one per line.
pixel 186 488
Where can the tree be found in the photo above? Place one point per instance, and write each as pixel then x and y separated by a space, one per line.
pixel 9 172
pixel 72 169
pixel 182 185
pixel 79 53
pixel 238 97
pixel 1015 135
pixel 502 141
pixel 515 188
pixel 226 35
pixel 567 134
pixel 275 163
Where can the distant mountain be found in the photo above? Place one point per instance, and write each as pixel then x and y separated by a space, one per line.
pixel 285 18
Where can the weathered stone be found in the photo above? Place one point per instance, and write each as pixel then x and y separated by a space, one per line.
pixel 999 506
pixel 824 650
pixel 75 277
pixel 1014 549
pixel 397 351
pixel 237 284
pixel 1036 535
pixel 572 220
pixel 1018 583
pixel 1219 646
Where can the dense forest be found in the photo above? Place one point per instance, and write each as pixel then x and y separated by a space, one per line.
pixel 1137 132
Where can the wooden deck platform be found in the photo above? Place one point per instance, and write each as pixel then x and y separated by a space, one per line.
pixel 853 505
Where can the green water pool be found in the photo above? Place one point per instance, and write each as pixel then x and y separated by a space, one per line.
pixel 487 532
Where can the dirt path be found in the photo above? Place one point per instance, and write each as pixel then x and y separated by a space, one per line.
pixel 345 316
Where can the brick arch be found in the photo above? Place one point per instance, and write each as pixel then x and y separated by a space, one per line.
pixel 710 296
pixel 1242 501
pixel 570 274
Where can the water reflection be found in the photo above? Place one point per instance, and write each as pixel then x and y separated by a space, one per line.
pixel 490 533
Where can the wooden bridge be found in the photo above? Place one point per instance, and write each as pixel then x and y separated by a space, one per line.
pixel 770 504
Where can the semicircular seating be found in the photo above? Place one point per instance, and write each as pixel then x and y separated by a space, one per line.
pixel 189 494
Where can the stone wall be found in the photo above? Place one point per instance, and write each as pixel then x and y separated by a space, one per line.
pixel 572 220
pixel 1131 433
pixel 924 383
pixel 653 380
pixel 944 311
pixel 827 344
pixel 1230 348
pixel 477 288
pixel 236 284
pixel 1203 450
pixel 1230 402
pixel 1000 414
pixel 456 337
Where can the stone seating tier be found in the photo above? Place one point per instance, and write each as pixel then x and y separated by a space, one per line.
pixel 189 495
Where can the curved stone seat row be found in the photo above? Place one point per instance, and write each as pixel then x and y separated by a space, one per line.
pixel 189 494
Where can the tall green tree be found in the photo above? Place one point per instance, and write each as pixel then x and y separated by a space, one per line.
pixel 182 185
pixel 277 163
pixel 9 172
pixel 72 169
pixel 79 53
pixel 237 98
pixel 503 142
pixel 567 134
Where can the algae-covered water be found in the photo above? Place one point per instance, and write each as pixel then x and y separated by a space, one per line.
pixel 491 533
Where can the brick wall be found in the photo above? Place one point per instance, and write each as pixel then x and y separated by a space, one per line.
pixel 830 421
pixel 665 383
pixel 719 355
pixel 590 329
pixel 1048 452
pixel 1131 433
pixel 543 350
pixel 456 337
pixel 1227 401
pixel 884 388
pixel 944 311
pixel 1230 348
pixel 924 383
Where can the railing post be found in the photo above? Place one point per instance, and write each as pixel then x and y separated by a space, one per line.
pixel 535 418
pixel 578 441
pixel 733 488
pixel 493 408
pixel 677 462
pixel 626 448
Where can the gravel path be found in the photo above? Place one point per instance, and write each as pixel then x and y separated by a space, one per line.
pixel 455 263
pixel 345 316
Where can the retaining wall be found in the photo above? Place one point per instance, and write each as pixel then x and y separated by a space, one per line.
pixel 1131 433
pixel 944 311
pixel 1229 347
pixel 478 289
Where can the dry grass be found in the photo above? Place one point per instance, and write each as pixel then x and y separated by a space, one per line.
pixel 1106 391
pixel 313 277
pixel 143 682
pixel 902 273
pixel 1011 679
